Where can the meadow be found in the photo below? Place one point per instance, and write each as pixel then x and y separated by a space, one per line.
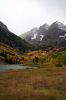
pixel 44 78
pixel 33 84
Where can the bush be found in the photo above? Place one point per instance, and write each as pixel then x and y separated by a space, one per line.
pixel 59 65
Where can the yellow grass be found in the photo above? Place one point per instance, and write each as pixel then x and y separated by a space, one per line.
pixel 33 84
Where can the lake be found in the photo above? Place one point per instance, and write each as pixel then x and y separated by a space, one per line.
pixel 12 67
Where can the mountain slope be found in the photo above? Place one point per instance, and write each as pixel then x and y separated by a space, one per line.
pixel 48 36
pixel 11 39
pixel 9 55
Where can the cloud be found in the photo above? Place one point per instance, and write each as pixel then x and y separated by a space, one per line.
pixel 22 15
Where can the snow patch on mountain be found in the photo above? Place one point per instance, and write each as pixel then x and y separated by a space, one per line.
pixel 62 36
pixel 34 37
pixel 41 37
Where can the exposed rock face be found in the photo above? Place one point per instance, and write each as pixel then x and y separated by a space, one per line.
pixel 47 36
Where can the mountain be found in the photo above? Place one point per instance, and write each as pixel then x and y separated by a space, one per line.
pixel 56 35
pixel 36 34
pixel 11 39
pixel 53 36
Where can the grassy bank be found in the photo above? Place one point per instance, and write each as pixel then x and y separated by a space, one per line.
pixel 50 58
pixel 33 84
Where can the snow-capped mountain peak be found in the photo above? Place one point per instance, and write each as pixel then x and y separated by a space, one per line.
pixel 46 36
pixel 60 25
pixel 34 30
pixel 46 26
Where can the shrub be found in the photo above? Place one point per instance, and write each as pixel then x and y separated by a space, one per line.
pixel 59 65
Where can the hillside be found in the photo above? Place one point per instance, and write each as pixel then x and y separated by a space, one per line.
pixel 9 55
pixel 11 39
pixel 46 58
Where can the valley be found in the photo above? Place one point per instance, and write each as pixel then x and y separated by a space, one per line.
pixel 34 69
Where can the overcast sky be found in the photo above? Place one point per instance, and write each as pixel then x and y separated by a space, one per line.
pixel 22 15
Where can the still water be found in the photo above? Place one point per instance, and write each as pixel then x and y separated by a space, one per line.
pixel 11 67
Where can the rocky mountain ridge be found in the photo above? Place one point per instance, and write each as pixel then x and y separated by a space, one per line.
pixel 47 36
